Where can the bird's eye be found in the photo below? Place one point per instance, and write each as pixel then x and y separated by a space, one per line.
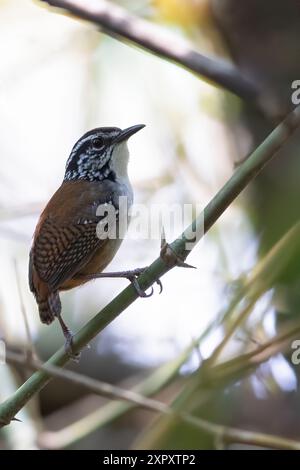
pixel 97 143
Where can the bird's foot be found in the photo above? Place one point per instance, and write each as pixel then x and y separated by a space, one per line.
pixel 74 356
pixel 132 276
pixel 69 349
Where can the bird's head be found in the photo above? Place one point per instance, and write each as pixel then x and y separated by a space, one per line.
pixel 100 153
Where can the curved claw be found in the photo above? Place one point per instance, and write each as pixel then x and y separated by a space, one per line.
pixel 150 293
pixel 142 293
pixel 69 349
pixel 139 271
pixel 138 289
pixel 160 285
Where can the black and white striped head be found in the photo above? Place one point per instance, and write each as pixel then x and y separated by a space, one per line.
pixel 100 153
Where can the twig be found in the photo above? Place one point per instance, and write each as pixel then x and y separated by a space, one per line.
pixel 117 22
pixel 215 376
pixel 261 279
pixel 212 212
pixel 93 385
pixel 30 351
pixel 152 384
pixel 251 360
pixel 224 433
pixel 206 382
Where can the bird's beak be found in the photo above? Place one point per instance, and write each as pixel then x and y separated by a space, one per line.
pixel 126 133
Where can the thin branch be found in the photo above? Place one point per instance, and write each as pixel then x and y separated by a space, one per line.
pixel 224 433
pixel 117 22
pixel 95 386
pixel 261 279
pixel 30 350
pixel 247 362
pixel 209 379
pixel 215 376
pixel 177 250
pixel 152 384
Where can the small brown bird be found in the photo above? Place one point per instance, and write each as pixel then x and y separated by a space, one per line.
pixel 66 250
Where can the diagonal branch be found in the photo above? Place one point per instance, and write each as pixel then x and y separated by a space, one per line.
pixel 220 375
pixel 117 22
pixel 206 219
pixel 225 433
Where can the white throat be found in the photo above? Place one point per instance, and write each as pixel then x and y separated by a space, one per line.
pixel 119 162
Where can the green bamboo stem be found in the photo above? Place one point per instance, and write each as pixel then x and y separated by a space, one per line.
pixel 222 200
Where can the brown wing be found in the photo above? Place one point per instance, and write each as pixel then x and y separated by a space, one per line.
pixel 60 251
pixel 66 238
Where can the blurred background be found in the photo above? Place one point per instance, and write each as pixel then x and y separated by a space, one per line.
pixel 60 77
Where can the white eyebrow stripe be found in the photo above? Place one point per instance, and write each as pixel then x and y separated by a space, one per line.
pixel 110 134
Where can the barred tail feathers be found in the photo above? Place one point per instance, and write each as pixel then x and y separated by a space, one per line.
pixel 49 307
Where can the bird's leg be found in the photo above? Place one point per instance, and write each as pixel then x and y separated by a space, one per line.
pixel 167 254
pixel 131 275
pixel 69 339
